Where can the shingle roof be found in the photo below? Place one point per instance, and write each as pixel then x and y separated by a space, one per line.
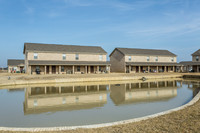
pixel 135 51
pixel 68 62
pixel 152 63
pixel 15 62
pixel 38 47
pixel 197 52
pixel 189 63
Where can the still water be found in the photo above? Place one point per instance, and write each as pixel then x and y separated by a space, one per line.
pixel 90 103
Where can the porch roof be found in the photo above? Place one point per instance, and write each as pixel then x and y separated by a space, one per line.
pixel 189 63
pixel 152 64
pixel 68 62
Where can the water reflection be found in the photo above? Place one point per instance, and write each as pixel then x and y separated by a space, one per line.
pixel 76 97
pixel 49 98
pixel 143 92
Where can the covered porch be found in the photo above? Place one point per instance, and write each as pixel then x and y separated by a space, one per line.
pixel 134 67
pixel 63 68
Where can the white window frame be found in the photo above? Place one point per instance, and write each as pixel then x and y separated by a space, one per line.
pixel 35 56
pixel 77 57
pixel 148 58
pixel 100 57
pixel 172 59
pixel 64 56
pixel 129 58
pixel 197 58
pixel 156 59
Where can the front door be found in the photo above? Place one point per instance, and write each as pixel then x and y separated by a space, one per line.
pixel 54 69
pixel 92 69
pixel 47 71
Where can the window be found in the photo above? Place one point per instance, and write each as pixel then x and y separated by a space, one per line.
pixel 77 56
pixel 62 68
pixel 35 103
pixel 197 58
pixel 100 57
pixel 147 58
pixel 156 58
pixel 129 58
pixel 35 56
pixel 64 56
pixel 78 69
pixel 172 59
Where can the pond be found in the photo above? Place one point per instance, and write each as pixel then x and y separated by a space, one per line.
pixel 76 104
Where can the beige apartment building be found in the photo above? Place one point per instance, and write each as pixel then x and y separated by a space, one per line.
pixel 15 66
pixel 64 59
pixel 194 65
pixel 132 60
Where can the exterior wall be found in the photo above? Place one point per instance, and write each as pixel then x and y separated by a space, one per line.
pixel 117 61
pixel 14 68
pixel 151 58
pixel 194 58
pixel 69 57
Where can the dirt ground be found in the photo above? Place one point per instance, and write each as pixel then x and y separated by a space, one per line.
pixel 183 121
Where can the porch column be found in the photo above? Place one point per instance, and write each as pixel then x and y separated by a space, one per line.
pixel 72 69
pixel 173 69
pixel 139 69
pixel 59 70
pixel 59 89
pixel 148 69
pixel 45 90
pixel 129 69
pixel 149 85
pixel 45 70
pixel 139 85
pixel 165 69
pixel 50 69
pixel 86 70
pixel 197 68
pixel 97 87
pixel 108 69
pixel 86 88
pixel 29 70
pixel 157 69
pixel 97 69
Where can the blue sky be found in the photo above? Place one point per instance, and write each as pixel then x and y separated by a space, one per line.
pixel 159 24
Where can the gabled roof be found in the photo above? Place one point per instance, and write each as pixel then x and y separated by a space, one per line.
pixel 39 47
pixel 135 51
pixel 197 52
pixel 15 62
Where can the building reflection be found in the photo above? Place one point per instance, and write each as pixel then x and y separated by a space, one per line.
pixel 193 85
pixel 76 97
pixel 143 92
pixel 58 98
